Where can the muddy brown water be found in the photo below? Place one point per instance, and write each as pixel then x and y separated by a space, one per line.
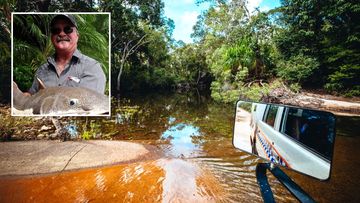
pixel 199 163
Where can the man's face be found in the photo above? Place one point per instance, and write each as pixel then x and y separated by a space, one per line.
pixel 63 39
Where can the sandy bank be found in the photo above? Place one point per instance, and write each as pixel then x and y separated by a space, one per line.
pixel 44 156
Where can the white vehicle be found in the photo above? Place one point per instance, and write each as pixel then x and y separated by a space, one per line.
pixel 299 139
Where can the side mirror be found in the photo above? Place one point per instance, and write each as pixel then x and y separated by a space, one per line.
pixel 296 138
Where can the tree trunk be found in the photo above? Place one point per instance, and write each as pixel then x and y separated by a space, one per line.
pixel 127 51
pixel 119 77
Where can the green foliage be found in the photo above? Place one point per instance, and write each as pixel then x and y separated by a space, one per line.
pixel 54 5
pixel 85 135
pixel 295 87
pixel 244 92
pixel 161 78
pixel 93 132
pixel 139 41
pixel 353 92
pixel 327 32
pixel 149 66
pixel 94 38
pixel 238 48
pixel 216 62
pixel 255 92
pixel 245 105
pixel 306 43
pixel 188 64
pixel 241 75
pixel 239 55
pixel 128 113
pixel 346 79
pixel 25 75
pixel 297 69
pixel 5 51
pixel 221 93
pixel 21 126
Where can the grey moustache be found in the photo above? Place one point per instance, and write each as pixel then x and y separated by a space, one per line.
pixel 59 39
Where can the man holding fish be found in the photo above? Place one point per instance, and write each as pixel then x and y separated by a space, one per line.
pixel 69 82
pixel 68 67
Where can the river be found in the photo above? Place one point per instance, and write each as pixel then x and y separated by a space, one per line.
pixel 197 162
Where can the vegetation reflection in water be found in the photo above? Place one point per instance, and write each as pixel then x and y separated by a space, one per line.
pixel 162 119
pixel 200 164
pixel 197 130
pixel 182 138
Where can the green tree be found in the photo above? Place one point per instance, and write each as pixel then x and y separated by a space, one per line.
pixel 55 5
pixel 340 46
pixel 150 68
pixel 328 33
pixel 238 46
pixel 189 66
pixel 297 69
pixel 129 39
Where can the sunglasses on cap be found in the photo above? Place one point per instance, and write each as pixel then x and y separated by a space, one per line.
pixel 56 30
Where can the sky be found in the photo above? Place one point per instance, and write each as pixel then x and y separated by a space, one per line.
pixel 184 14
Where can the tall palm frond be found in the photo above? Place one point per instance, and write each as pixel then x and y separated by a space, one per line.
pixel 93 40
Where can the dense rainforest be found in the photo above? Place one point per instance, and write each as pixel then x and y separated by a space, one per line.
pixel 301 44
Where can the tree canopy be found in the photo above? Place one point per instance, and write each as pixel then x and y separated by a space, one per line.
pixel 303 44
pixel 326 33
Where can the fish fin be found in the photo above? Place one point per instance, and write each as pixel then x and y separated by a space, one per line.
pixel 40 83
pixel 19 99
pixel 15 85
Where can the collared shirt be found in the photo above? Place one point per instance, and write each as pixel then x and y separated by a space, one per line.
pixel 81 71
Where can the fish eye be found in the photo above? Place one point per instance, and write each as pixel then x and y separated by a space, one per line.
pixel 73 102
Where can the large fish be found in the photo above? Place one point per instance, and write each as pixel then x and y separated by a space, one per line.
pixel 62 101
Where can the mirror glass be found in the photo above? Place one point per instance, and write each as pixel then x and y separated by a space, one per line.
pixel 296 138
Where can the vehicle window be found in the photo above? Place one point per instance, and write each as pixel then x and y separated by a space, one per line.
pixel 271 114
pixel 311 128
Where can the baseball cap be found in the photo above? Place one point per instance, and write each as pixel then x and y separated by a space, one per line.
pixel 69 17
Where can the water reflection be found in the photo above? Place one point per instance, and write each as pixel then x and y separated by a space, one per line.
pixel 182 138
pixel 209 170
pixel 187 182
pixel 163 180
pixel 194 129
pixel 201 131
pixel 234 169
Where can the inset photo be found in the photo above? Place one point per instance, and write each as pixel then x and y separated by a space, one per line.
pixel 61 64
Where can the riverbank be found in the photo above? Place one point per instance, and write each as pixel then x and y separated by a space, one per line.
pixel 35 128
pixel 341 106
pixel 51 156
pixel 337 105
